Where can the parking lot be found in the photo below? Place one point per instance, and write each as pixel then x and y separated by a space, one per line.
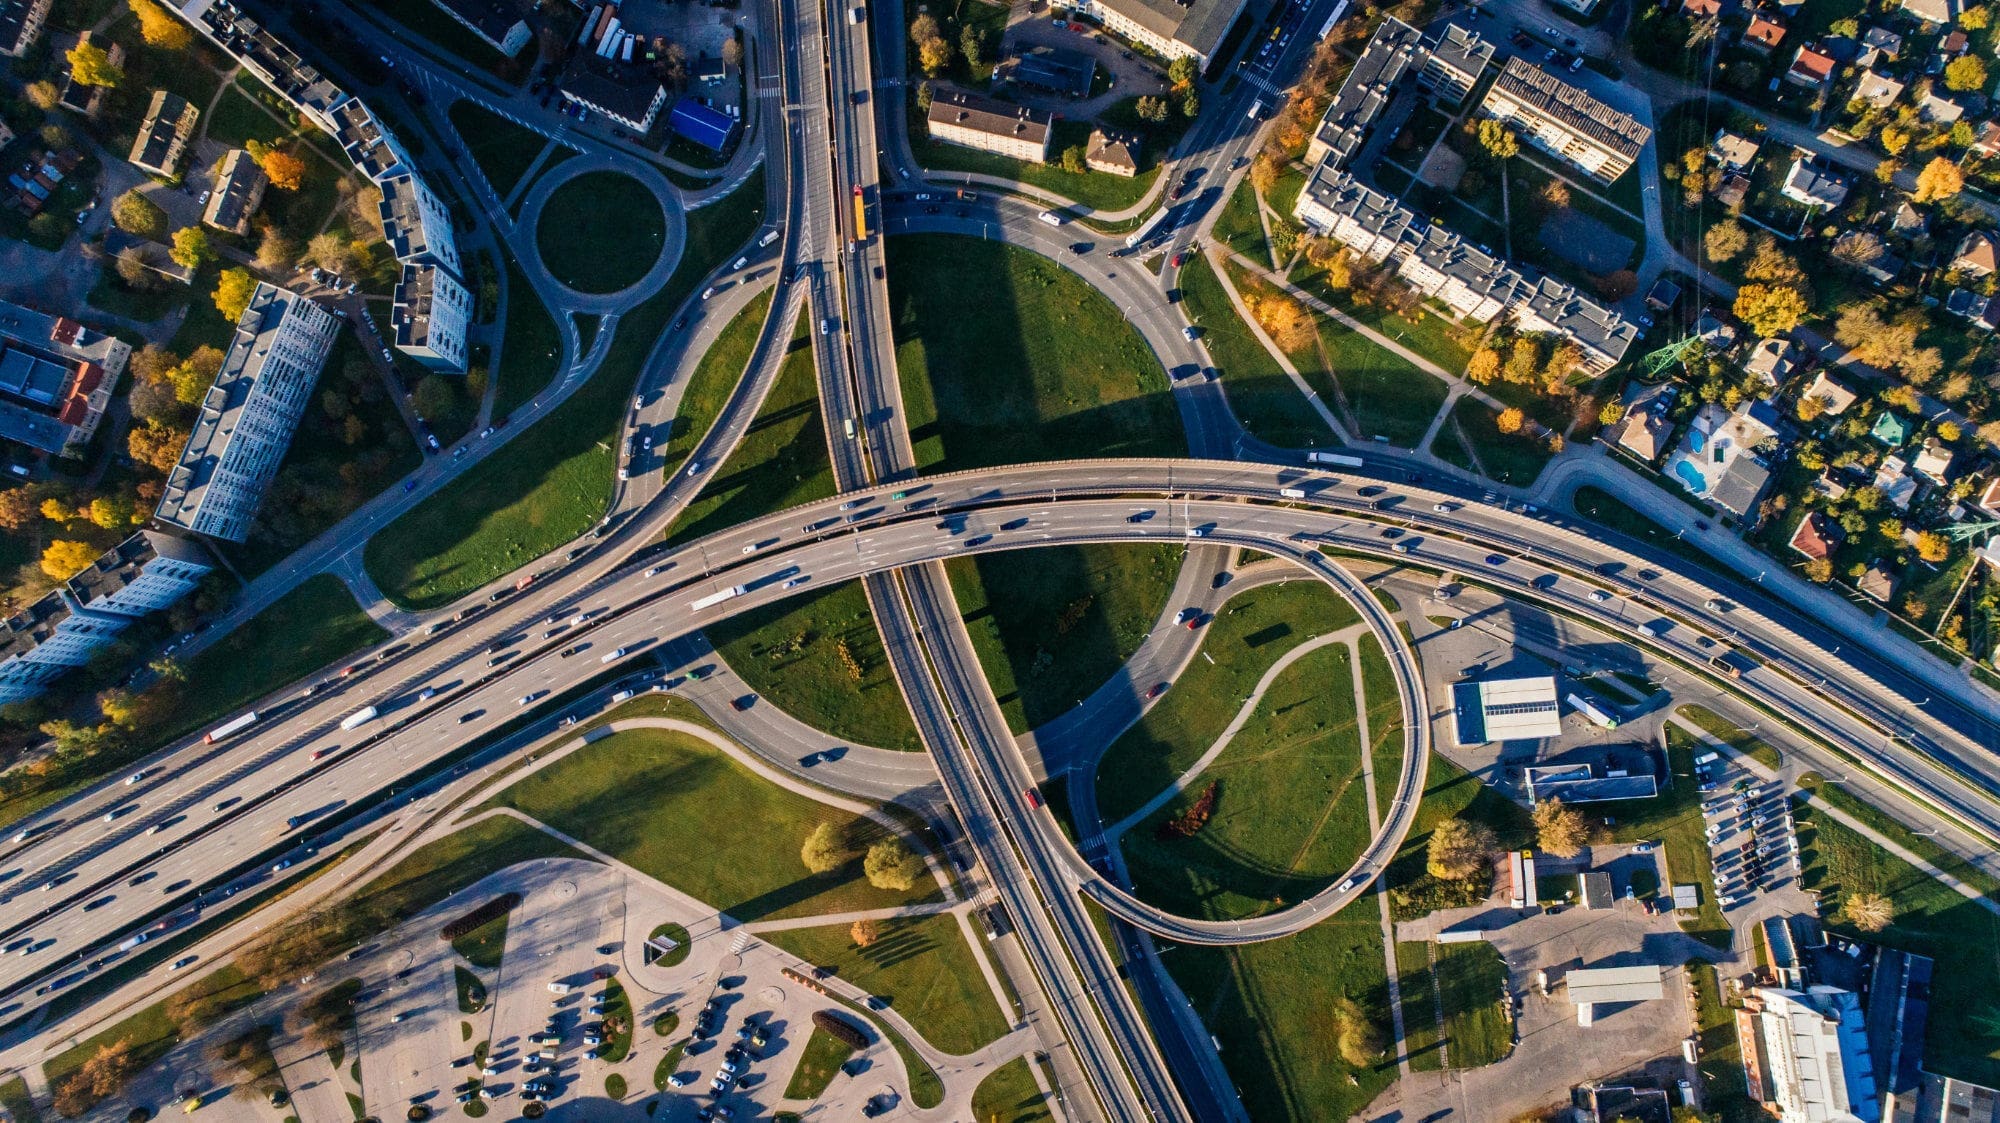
pixel 1750 836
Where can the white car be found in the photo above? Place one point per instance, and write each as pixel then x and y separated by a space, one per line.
pixel 1599 595
pixel 617 654
pixel 752 548
pixel 655 571
pixel 709 292
pixel 135 777
pixel 680 1079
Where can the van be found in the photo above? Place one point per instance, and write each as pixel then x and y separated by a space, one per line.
pixel 856 14
pixel 1050 217
pixel 847 425
pixel 621 696
pixel 558 988
pixel 1257 110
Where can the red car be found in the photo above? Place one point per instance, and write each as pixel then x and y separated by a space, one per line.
pixel 1159 688
pixel 1180 259
pixel 1034 797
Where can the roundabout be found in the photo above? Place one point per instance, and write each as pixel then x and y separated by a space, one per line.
pixel 608 237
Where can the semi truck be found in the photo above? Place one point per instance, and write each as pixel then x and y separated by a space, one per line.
pixel 1145 233
pixel 230 728
pixel 358 718
pixel 713 599
pixel 1594 710
pixel 1340 458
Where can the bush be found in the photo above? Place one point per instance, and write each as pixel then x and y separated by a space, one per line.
pixel 837 1026
pixel 493 908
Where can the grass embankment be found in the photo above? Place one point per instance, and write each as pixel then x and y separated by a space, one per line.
pixel 14 1097
pixel 528 349
pixel 1053 625
pixel 149 1033
pixel 818 657
pixel 676 808
pixel 1930 919
pixel 1238 226
pixel 503 149
pixel 1261 395
pixel 1385 719
pixel 1290 811
pixel 922 966
pixel 1039 367
pixel 1723 1086
pixel 1733 735
pixel 1511 458
pixel 782 460
pixel 1273 1007
pixel 1923 846
pixel 1472 986
pixel 601 232
pixel 551 483
pixel 1009 1094
pixel 714 379
pixel 1601 506
pixel 617 1013
pixel 819 1063
pixel 1251 632
pixel 1416 989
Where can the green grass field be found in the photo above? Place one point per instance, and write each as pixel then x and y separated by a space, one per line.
pixel 482 947
pixel 1097 190
pixel 1389 395
pixel 676 808
pixel 1270 1005
pixel 1261 394
pixel 503 150
pixel 1250 633
pixel 1511 458
pixel 1416 987
pixel 819 1062
pixel 1039 367
pixel 1472 984
pixel 818 657
pixel 601 232
pixel 782 460
pixel 1052 625
pixel 1385 718
pixel 1009 1094
pixel 1923 846
pixel 14 1097
pixel 1291 814
pixel 922 966
pixel 714 379
pixel 551 483
pixel 148 1032
pixel 1238 225
pixel 529 348
pixel 1963 1038
pixel 308 628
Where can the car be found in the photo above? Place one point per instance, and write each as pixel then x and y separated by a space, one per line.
pixel 618 653
pixel 1158 689
pixel 681 1079
pixel 463 718
pixel 1180 258
pixel 183 961
pixel 1190 333
pixel 282 866
pixel 1495 559
pixel 1188 617
pixel 203 201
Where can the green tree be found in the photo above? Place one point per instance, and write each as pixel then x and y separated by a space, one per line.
pixel 233 290
pixel 191 249
pixel 891 865
pixel 972 44
pixel 138 215
pixel 90 66
pixel 1191 105
pixel 1073 160
pixel 1182 72
pixel 1966 72
pixel 1559 829
pixel 824 850
pixel 1725 241
pixel 1152 109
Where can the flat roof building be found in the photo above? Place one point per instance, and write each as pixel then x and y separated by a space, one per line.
pixel 1454 61
pixel 1811 1048
pixel 972 121
pixel 498 23
pixel 239 188
pixel 702 124
pixel 1514 709
pixel 631 100
pixel 249 416
pixel 145 573
pixel 1579 783
pixel 163 136
pixel 1591 986
pixel 1174 28
pixel 431 317
pixel 1564 121
pixel 416 223
pixel 372 149
pixel 268 57
pixel 56 379
pixel 1059 72
pixel 1393 51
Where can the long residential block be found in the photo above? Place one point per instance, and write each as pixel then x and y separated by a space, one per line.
pixel 1564 121
pixel 416 223
pixel 1174 28
pixel 250 414
pixel 431 316
pixel 972 121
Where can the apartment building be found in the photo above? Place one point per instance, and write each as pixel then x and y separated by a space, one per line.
pixel 1811 1049
pixel 1454 61
pixel 614 94
pixel 249 415
pixel 1564 121
pixel 431 317
pixel 371 148
pixel 416 223
pixel 21 24
pixel 163 136
pixel 145 573
pixel 967 119
pixel 1468 279
pixel 56 379
pixel 239 188
pixel 1174 28
pixel 1113 152
pixel 498 23
pixel 1396 49
pixel 266 56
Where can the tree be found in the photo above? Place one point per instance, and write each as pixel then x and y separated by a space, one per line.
pixel 285 171
pixel 1612 413
pixel 1964 73
pixel 277 251
pixel 1510 420
pixel 1940 179
pixel 1845 28
pixel 65 559
pixel 935 55
pixel 1264 172
pixel 924 27
pixel 55 510
pixel 191 247
pixel 1498 140
pixel 891 865
pixel 732 52
pixel 159 27
pixel 1770 309
pixel 972 44
pixel 233 290
pixel 1870 912
pixel 434 395
pixel 1073 160
pixel 1191 105
pixel 1285 320
pixel 1820 570
pixel 1458 849
pixel 1894 139
pixel 90 66
pixel 331 252
pixel 18 507
pixel 194 375
pixel 1559 829
pixel 1975 18
pixel 864 932
pixel 1182 72
pixel 114 512
pixel 100 1078
pixel 924 95
pixel 824 849
pixel 43 94
pixel 133 270
pixel 1484 365
pixel 1152 109
pixel 136 214
pixel 1932 546
pixel 1359 1041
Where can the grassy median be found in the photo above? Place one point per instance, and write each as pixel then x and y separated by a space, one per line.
pixel 1009 1094
pixel 921 966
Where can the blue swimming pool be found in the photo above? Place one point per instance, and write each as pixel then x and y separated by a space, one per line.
pixel 1697 439
pixel 1690 476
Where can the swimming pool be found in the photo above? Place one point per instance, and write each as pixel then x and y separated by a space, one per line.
pixel 1690 476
